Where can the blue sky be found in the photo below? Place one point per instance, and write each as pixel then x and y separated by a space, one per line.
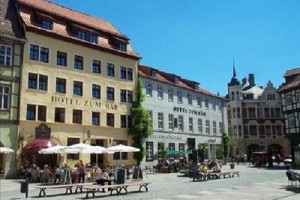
pixel 198 39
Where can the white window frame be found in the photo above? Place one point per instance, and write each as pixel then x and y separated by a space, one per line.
pixel 170 94
pixel 5 97
pixel 160 120
pixel 160 92
pixel 180 123
pixel 179 96
pixel 171 122
pixel 207 127
pixel 149 89
pixel 6 57
pixel 200 125
pixel 191 125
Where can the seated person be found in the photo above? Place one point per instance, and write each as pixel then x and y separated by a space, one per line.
pixel 294 175
pixel 103 177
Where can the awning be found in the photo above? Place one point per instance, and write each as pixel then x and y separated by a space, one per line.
pixel 37 144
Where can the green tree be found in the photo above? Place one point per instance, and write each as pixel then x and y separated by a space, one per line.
pixel 226 142
pixel 141 123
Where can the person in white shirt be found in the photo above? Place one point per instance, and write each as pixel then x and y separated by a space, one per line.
pixel 294 175
pixel 103 177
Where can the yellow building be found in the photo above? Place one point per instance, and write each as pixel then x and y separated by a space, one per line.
pixel 78 83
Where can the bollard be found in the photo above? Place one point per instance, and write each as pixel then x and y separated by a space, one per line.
pixel 24 186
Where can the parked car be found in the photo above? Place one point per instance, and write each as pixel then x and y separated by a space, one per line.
pixel 288 160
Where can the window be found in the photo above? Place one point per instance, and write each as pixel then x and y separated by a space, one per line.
pixel 32 81
pixel 46 24
pixel 59 115
pixel 171 122
pixel 214 105
pixel 199 102
pixel 72 141
pixel 238 112
pixel 171 146
pixel 123 72
pixel 97 66
pixel 124 155
pixel 180 123
pixel 110 93
pixel 268 130
pixel 60 85
pixel 44 55
pixel 4 97
pixel 191 124
pixel 77 116
pixel 151 117
pixel 207 127
pixel 129 74
pixel 110 69
pixel 5 55
pixel 78 62
pixel 160 92
pixel 278 130
pixel 34 52
pixel 214 127
pixel 123 121
pixel 43 82
pixel 251 112
pixel 129 96
pixel 289 98
pixel 160 121
pixel 149 151
pixel 200 125
pixel 96 118
pixel 277 112
pixel 291 120
pixel 110 119
pixel 181 147
pixel 253 130
pixel 297 96
pixel 42 113
pixel 206 103
pixel 30 113
pixel 179 96
pixel 267 112
pixel 190 99
pixel 170 94
pixel 221 127
pixel 87 36
pixel 61 58
pixel 123 95
pixel 149 89
pixel 96 91
pixel 77 88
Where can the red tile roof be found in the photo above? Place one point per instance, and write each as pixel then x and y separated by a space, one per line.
pixel 146 71
pixel 64 16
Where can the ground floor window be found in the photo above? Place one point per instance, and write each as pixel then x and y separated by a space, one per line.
pixel 149 151
pixel 122 155
pixel 72 141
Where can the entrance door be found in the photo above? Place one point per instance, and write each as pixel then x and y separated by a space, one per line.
pixel 2 163
pixel 97 158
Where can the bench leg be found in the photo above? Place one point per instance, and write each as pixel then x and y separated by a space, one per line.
pixel 42 191
pixel 145 186
pixel 69 190
pixel 90 191
pixel 78 188
pixel 120 189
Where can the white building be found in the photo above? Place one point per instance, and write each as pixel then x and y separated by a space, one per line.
pixel 183 114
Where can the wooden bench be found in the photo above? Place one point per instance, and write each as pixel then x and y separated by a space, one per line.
pixel 115 187
pixel 226 174
pixel 68 187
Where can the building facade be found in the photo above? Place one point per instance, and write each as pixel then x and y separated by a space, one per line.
pixel 78 83
pixel 11 51
pixel 290 100
pixel 255 119
pixel 183 114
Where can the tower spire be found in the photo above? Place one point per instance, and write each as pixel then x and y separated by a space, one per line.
pixel 234 73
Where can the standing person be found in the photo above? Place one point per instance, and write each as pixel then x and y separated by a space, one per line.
pixel 81 171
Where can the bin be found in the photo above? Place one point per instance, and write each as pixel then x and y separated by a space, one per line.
pixel 24 186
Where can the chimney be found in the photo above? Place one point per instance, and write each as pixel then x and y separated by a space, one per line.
pixel 251 80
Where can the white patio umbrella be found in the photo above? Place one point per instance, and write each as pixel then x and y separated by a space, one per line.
pixel 85 148
pixel 54 150
pixel 6 150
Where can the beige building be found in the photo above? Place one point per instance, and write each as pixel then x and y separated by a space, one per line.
pixel 78 83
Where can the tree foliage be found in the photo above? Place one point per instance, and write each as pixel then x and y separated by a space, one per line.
pixel 141 123
pixel 226 142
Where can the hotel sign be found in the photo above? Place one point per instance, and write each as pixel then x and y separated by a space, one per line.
pixel 167 136
pixel 83 103
pixel 189 111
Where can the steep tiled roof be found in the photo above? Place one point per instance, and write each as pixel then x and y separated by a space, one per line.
pixel 64 17
pixel 294 84
pixel 292 72
pixel 10 24
pixel 146 71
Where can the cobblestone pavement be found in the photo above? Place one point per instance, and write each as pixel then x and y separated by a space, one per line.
pixel 253 183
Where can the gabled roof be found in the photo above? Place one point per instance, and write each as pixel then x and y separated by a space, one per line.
pixel 167 78
pixel 64 17
pixel 292 72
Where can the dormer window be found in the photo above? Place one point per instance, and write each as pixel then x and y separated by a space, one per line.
pixel 87 36
pixel 153 73
pixel 46 24
pixel 176 80
pixel 118 44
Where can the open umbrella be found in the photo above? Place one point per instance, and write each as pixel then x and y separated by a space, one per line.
pixel 172 152
pixel 53 150
pixel 6 150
